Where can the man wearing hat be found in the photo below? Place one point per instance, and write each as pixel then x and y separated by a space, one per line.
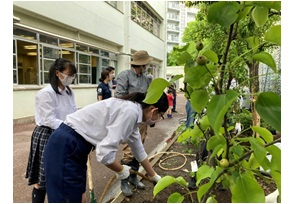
pixel 129 81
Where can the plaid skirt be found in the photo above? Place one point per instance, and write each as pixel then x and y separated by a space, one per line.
pixel 35 166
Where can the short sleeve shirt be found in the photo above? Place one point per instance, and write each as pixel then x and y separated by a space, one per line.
pixel 103 90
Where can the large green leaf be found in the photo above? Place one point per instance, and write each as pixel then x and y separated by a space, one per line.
pixel 253 42
pixel 223 13
pixel 196 76
pixel 274 35
pixel 175 78
pixel 268 4
pixel 276 158
pixel 214 141
pixel 260 15
pixel 175 198
pixel 260 151
pixel 163 183
pixel 155 90
pixel 247 190
pixel 185 56
pixel 264 133
pixel 203 172
pixel 185 135
pixel 268 106
pixel 211 56
pixel 265 58
pixel 217 108
pixel 199 100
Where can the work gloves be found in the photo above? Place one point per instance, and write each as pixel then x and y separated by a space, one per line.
pixel 124 173
pixel 155 178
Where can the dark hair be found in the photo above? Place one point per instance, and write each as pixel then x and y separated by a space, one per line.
pixel 162 104
pixel 110 68
pixel 170 91
pixel 104 74
pixel 61 65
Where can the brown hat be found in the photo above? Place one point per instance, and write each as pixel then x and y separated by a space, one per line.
pixel 141 57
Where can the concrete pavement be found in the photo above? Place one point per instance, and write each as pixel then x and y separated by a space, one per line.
pixel 155 141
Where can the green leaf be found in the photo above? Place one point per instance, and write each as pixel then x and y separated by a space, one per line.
pixel 211 56
pixel 265 58
pixel 196 82
pixel 163 183
pixel 259 150
pixel 175 198
pixel 199 100
pixel 274 35
pixel 215 141
pixel 276 158
pixel 202 190
pixel 211 200
pixel 253 42
pixel 155 90
pixel 181 181
pixel 203 172
pixel 185 56
pixel 223 13
pixel 185 135
pixel 260 15
pixel 247 190
pixel 217 108
pixel 243 13
pixel 264 133
pixel 268 4
pixel 175 78
pixel 268 106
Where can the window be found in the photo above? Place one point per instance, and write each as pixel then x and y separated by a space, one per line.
pixel 49 55
pixel 145 18
pixel 84 68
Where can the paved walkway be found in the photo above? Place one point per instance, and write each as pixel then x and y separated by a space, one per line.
pixel 101 175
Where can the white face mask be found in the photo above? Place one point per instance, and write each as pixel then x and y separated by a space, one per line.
pixel 150 122
pixel 67 79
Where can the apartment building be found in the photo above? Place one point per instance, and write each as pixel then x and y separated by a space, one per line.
pixel 92 34
pixel 178 16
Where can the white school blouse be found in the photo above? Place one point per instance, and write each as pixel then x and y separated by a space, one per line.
pixel 51 108
pixel 108 123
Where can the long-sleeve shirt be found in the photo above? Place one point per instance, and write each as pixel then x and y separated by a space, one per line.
pixel 51 108
pixel 128 82
pixel 108 123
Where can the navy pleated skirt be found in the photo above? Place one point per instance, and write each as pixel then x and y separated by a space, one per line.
pixel 65 160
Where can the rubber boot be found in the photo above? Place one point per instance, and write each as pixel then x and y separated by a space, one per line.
pixel 125 188
pixel 192 183
pixel 133 177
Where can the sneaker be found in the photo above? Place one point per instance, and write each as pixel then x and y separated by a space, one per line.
pixel 134 181
pixel 125 188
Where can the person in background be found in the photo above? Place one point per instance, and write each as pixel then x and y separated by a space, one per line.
pixel 170 100
pixel 190 114
pixel 103 90
pixel 103 125
pixel 129 81
pixel 173 88
pixel 52 104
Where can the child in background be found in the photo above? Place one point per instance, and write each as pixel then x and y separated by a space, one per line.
pixel 170 100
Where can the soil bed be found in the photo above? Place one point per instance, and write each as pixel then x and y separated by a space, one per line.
pixel 146 195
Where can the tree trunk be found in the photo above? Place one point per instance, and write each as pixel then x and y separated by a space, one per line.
pixel 254 89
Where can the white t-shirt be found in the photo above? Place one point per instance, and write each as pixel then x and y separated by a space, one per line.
pixel 108 123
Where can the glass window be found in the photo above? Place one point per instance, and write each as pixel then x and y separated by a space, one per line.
pixel 66 44
pixel 84 68
pixel 94 50
pixel 104 63
pixel 48 40
pixel 52 53
pixel 14 63
pixel 142 15
pixel 104 54
pixel 25 34
pixel 82 48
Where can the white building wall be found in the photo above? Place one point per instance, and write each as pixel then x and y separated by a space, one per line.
pixel 101 25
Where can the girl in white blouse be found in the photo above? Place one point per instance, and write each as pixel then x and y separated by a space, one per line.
pixel 52 104
pixel 103 125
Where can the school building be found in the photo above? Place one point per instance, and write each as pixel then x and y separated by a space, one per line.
pixel 92 34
